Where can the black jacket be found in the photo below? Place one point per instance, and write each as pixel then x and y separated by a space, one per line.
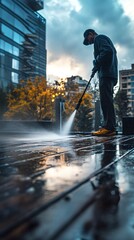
pixel 106 58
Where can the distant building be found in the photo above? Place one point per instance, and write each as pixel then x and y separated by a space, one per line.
pixel 22 41
pixel 126 83
pixel 75 80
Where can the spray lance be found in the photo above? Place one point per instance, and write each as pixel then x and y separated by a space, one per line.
pixel 80 100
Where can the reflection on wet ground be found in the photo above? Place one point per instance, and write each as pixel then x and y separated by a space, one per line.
pixel 75 187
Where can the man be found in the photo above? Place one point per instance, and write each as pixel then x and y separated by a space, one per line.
pixel 106 64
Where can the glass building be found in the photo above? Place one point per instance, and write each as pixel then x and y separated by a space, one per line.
pixel 22 41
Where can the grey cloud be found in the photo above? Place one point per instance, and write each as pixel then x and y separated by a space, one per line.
pixel 65 27
pixel 111 19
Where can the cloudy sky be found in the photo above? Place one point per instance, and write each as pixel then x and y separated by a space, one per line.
pixel 66 22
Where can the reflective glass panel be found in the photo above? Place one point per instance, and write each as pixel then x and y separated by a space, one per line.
pixel 15 64
pixel 14 77
pixel 15 51
pixel 7 31
pixel 8 47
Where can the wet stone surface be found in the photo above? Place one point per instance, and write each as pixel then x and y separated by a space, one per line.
pixel 76 187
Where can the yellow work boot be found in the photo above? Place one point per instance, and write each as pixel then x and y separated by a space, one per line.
pixel 104 132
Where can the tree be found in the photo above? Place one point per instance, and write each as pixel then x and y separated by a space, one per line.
pixel 83 118
pixel 30 100
pixel 34 100
pixel 3 102
pixel 121 104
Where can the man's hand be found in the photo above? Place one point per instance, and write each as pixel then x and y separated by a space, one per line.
pixel 93 72
pixel 95 68
pixel 94 63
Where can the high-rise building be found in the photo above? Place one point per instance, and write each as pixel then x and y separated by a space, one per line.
pixel 22 41
pixel 126 83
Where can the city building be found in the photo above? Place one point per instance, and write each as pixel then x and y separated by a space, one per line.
pixel 22 41
pixel 75 84
pixel 126 83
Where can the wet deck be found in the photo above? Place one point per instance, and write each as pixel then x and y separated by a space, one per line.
pixel 66 188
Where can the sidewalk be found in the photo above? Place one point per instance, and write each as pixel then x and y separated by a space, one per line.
pixel 66 188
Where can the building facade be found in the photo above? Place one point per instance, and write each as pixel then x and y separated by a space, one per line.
pixel 75 84
pixel 22 41
pixel 126 83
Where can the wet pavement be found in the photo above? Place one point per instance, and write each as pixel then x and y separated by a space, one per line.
pixel 76 187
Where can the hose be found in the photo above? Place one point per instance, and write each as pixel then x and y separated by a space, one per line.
pixel 80 100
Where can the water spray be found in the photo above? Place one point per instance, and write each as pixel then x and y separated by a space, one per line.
pixel 68 124
pixel 80 100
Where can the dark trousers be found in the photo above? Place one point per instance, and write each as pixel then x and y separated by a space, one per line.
pixel 106 86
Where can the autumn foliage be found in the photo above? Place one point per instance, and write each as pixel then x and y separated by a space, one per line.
pixel 30 100
pixel 34 100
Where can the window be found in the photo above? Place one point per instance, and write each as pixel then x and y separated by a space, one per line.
pixel 8 47
pixel 132 77
pixel 124 85
pixel 11 34
pixel 7 31
pixel 19 26
pixel 15 64
pixel 5 15
pixel 2 44
pixel 8 4
pixel 17 38
pixel 15 51
pixel 14 77
pixel 2 58
pixel 132 84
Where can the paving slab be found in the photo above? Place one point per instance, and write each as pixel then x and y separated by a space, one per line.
pixel 72 187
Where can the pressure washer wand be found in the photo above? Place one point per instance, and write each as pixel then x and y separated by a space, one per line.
pixel 80 100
